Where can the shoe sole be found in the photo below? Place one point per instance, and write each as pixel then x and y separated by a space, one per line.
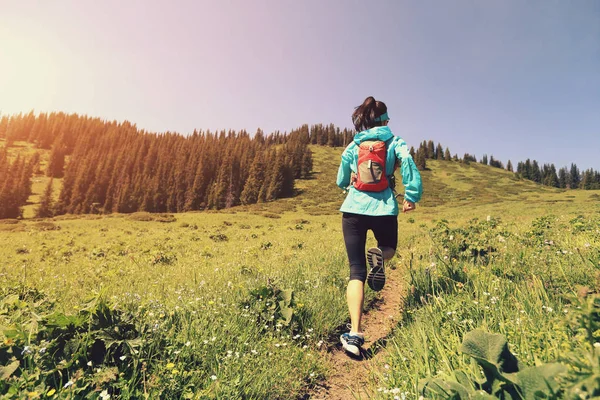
pixel 349 348
pixel 376 275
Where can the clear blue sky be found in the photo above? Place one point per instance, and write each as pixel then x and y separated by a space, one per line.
pixel 515 79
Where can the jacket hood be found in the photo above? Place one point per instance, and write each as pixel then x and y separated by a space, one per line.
pixel 382 133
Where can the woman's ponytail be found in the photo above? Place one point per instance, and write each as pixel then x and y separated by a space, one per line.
pixel 365 116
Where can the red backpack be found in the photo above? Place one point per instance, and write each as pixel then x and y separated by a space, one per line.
pixel 370 174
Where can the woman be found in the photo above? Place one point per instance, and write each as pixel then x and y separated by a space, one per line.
pixel 366 171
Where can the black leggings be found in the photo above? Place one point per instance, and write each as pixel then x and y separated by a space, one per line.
pixel 355 227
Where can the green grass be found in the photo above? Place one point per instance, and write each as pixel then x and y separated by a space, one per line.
pixel 526 291
pixel 176 282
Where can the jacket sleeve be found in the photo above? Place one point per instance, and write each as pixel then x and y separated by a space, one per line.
pixel 345 171
pixel 411 178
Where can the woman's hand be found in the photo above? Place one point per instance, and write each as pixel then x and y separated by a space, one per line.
pixel 408 206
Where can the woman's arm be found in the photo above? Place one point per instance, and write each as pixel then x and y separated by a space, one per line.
pixel 345 171
pixel 411 178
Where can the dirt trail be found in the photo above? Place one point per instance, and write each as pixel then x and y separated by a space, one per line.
pixel 349 376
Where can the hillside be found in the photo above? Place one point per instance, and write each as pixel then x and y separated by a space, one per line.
pixel 446 183
pixel 190 289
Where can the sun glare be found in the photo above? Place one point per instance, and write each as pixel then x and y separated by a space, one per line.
pixel 28 73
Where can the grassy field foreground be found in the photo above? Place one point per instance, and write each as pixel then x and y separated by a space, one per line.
pixel 240 304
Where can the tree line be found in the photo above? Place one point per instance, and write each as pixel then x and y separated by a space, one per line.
pixel 108 166
pixel 547 174
pixel 115 167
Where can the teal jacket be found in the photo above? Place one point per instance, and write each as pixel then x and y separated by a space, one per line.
pixel 384 202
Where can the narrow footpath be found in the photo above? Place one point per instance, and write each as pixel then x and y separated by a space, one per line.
pixel 349 376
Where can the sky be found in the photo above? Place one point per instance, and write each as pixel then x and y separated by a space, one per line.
pixel 509 78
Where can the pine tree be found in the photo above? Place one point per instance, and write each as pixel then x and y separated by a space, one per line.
pixel 430 150
pixel 277 177
pixel 287 187
pixel 3 126
pixel 252 187
pixel 587 179
pixel 420 160
pixel 35 163
pixel 549 175
pixel 10 201
pixel 484 159
pixel 509 166
pixel 439 152
pixel 467 158
pixel 269 161
pixel 527 172
pixel 233 190
pixel 447 155
pixel 574 177
pixel 536 174
pixel 23 190
pixel 56 163
pixel 307 164
pixel 562 177
pixel 45 208
pixel 495 163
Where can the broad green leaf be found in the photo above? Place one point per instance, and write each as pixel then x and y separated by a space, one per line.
pixel 491 352
pixel 287 313
pixel 440 388
pixel 8 370
pixel 287 296
pixel 534 381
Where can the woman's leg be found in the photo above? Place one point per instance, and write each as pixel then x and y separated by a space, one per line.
pixel 355 296
pixel 385 230
pixel 355 237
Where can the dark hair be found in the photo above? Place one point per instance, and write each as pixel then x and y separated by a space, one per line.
pixel 364 116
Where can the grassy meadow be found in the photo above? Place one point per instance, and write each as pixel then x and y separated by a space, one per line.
pixel 242 303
